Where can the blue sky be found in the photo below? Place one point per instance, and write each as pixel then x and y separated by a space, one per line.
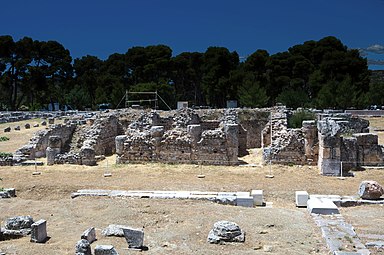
pixel 102 27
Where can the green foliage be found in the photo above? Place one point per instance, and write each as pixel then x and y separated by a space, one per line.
pixel 5 154
pixel 4 138
pixel 323 73
pixel 296 120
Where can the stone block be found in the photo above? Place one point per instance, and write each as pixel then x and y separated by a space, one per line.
pixel 27 126
pixel 83 247
pixel 17 128
pixel 322 206
pixel 258 199
pixel 245 201
pixel 39 231
pixel 89 235
pixel 301 198
pixel 51 121
pixel 11 192
pixel 105 250
pixel 7 129
pixel 134 238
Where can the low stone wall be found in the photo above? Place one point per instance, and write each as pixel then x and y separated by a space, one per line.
pixel 37 146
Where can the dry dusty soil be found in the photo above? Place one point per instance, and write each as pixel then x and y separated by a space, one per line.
pixel 178 226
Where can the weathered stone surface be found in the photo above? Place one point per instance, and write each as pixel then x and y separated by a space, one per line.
pixel 89 235
pixel 226 231
pixel 19 222
pixel 7 129
pixel 17 128
pixel 87 155
pixel 321 206
pixel 376 244
pixel 105 250
pixel 370 190
pixel 83 247
pixel 27 126
pixel 39 231
pixel 11 191
pixel 4 194
pixel 134 237
pixel 36 125
pixel 114 230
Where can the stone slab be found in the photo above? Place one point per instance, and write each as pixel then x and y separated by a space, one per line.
pixel 301 198
pixel 32 163
pixel 322 206
pixel 134 237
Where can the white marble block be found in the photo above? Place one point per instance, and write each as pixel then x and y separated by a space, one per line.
pixel 301 198
pixel 257 197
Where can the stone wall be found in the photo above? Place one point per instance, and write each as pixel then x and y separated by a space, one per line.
pixel 186 142
pixel 37 146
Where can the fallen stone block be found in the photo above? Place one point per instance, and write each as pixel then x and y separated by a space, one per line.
pixel 27 126
pixel 19 222
pixel 7 129
pixel 11 192
pixel 39 231
pixel 4 194
pixel 322 206
pixel 370 190
pixel 257 197
pixel 225 231
pixel 89 235
pixel 83 247
pixel 301 198
pixel 134 238
pixel 105 250
pixel 114 230
pixel 17 128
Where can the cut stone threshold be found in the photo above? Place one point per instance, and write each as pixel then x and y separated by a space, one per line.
pixel 244 199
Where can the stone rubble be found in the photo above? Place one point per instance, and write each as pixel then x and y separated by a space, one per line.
pixel 83 247
pixel 225 231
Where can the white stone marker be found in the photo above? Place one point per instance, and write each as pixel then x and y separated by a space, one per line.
pixel 301 198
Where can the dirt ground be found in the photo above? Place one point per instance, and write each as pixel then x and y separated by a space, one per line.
pixel 178 226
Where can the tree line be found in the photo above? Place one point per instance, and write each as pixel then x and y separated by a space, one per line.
pixel 321 74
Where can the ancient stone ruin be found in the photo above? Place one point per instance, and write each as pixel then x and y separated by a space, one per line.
pixel 216 137
pixel 336 142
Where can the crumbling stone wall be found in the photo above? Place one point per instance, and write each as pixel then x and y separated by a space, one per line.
pixel 185 142
pixel 337 143
pixel 37 146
